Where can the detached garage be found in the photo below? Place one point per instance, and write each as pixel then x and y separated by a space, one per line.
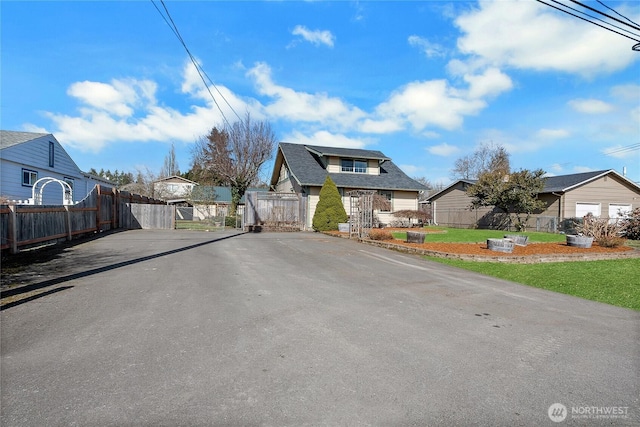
pixel 605 194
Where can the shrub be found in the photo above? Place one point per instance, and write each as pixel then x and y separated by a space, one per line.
pixel 605 233
pixel 631 225
pixel 380 235
pixel 330 210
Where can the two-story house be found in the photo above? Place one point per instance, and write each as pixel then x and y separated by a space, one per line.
pixel 303 169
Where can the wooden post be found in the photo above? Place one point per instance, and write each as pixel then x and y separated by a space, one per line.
pixel 98 203
pixel 114 222
pixel 67 215
pixel 13 229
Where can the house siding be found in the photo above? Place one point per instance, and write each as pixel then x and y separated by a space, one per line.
pixel 34 155
pixel 605 190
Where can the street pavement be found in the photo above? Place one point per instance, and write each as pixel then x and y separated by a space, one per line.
pixel 182 328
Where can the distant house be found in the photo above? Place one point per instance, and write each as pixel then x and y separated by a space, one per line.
pixel 303 169
pixel 604 193
pixel 208 200
pixel 173 189
pixel 27 157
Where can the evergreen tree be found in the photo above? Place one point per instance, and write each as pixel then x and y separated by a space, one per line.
pixel 330 210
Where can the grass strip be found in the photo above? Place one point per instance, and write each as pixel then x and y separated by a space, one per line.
pixel 615 282
pixel 461 235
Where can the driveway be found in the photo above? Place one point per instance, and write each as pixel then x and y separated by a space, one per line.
pixel 179 328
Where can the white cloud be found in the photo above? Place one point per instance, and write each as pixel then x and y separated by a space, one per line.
pixel 590 106
pixel 301 106
pixel 443 149
pixel 380 126
pixel 529 35
pixel 429 103
pixel 429 48
pixel 490 83
pixel 316 37
pixel 617 151
pixel 117 98
pixel 628 92
pixel 325 138
pixel 552 133
pixel 412 170
pixel 581 169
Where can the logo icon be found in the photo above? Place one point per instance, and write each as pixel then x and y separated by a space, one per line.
pixel 557 412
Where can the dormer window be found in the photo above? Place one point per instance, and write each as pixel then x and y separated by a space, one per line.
pixel 355 166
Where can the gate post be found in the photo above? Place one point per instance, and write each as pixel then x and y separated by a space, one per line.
pixel 13 229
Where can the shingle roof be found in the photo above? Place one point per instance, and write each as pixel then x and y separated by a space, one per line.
pixel 565 182
pixel 9 138
pixel 553 184
pixel 306 168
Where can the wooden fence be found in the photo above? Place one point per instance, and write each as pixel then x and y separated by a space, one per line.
pixel 103 209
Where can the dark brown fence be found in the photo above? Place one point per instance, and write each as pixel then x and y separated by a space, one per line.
pixel 103 209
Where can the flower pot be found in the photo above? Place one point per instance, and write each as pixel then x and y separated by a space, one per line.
pixel 579 241
pixel 415 237
pixel 500 245
pixel 343 227
pixel 518 239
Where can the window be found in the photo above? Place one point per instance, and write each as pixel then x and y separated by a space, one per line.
pixel 356 166
pixel 387 195
pixel 29 177
pixel 51 154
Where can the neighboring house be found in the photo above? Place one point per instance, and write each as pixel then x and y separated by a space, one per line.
pixel 604 193
pixel 209 201
pixel 174 189
pixel 26 157
pixel 303 169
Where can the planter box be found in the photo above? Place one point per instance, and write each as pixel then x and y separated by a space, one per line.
pixel 518 239
pixel 415 237
pixel 500 245
pixel 579 241
pixel 343 227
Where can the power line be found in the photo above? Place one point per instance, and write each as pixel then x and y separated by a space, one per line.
pixel 617 13
pixel 635 47
pixel 604 14
pixel 628 148
pixel 596 18
pixel 174 28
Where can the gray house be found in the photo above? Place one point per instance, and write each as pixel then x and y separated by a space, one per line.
pixel 303 169
pixel 27 157
pixel 604 193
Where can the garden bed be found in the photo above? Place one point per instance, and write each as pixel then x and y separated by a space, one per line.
pixel 532 253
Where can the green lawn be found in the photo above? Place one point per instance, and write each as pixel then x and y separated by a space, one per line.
pixel 459 235
pixel 196 225
pixel 615 282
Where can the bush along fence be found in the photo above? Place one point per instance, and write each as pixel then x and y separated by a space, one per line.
pixel 104 208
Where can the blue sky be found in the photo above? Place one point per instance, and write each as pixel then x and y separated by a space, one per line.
pixel 423 82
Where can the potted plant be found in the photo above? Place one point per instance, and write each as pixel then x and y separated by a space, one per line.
pixel 585 232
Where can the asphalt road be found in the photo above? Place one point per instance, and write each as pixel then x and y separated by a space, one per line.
pixel 172 328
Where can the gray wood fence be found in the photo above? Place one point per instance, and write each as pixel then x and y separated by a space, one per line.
pixel 274 211
pixel 103 209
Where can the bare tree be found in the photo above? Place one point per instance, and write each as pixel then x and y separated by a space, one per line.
pixel 489 157
pixel 234 156
pixel 170 166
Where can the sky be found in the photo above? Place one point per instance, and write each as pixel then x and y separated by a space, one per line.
pixel 425 82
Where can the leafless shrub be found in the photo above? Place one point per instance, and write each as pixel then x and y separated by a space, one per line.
pixel 605 233
pixel 378 234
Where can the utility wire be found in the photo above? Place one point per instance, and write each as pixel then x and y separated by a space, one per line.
pixel 174 28
pixel 604 14
pixel 628 148
pixel 617 13
pixel 596 18
pixel 594 23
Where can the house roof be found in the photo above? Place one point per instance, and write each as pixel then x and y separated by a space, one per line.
pixel 306 167
pixel 9 138
pixel 557 184
pixel 176 178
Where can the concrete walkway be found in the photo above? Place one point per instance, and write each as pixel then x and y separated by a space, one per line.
pixel 178 328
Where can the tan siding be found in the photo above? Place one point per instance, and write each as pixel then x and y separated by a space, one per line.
pixel 373 167
pixel 313 198
pixel 605 190
pixel 333 165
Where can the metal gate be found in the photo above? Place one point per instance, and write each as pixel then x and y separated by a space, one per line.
pixel 271 211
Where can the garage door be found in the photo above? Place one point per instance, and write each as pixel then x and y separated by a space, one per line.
pixel 618 210
pixel 584 208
